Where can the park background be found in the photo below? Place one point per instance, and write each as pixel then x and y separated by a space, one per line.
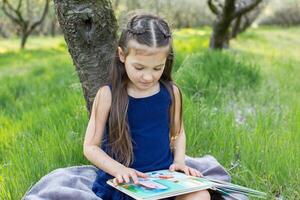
pixel 241 102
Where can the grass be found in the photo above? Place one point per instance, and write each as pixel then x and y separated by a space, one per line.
pixel 240 106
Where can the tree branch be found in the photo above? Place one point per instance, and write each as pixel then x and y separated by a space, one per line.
pixel 221 6
pixel 8 5
pixel 19 5
pixel 213 7
pixel 229 6
pixel 6 12
pixel 18 19
pixel 35 24
pixel 245 9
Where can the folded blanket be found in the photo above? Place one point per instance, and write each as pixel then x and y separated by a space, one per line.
pixel 75 182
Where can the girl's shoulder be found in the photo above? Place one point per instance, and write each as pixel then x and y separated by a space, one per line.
pixel 174 87
pixel 177 93
pixel 104 96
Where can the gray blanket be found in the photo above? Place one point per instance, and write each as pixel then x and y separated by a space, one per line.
pixel 76 182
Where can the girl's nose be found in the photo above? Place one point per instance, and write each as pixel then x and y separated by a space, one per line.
pixel 148 77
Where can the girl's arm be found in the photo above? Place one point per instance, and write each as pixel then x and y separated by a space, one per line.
pixel 179 148
pixel 94 133
pixel 180 142
pixel 93 138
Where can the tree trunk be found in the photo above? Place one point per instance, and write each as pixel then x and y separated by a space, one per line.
pixel 89 28
pixel 24 35
pixel 226 12
pixel 53 27
pixel 236 27
pixel 26 26
pixel 220 34
pixel 24 38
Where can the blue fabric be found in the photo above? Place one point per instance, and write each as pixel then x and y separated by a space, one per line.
pixel 148 120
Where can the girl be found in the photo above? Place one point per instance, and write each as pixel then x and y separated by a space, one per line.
pixel 137 118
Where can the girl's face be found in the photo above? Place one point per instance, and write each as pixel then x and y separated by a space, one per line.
pixel 144 65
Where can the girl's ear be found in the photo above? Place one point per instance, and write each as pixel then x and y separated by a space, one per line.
pixel 121 54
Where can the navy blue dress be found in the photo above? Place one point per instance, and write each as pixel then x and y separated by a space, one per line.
pixel 148 120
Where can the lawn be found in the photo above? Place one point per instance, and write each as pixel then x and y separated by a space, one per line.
pixel 241 106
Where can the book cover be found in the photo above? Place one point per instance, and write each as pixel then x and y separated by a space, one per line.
pixel 162 184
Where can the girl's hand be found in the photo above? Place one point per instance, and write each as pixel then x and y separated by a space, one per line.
pixel 124 174
pixel 187 170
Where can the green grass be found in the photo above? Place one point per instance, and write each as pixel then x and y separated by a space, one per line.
pixel 188 41
pixel 241 106
pixel 42 116
pixel 211 75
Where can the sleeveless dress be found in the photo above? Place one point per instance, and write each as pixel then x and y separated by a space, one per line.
pixel 148 120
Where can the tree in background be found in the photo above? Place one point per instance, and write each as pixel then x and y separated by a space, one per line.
pixel 17 16
pixel 50 26
pixel 89 28
pixel 241 23
pixel 230 20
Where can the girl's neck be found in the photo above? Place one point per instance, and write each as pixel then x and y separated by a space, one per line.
pixel 133 91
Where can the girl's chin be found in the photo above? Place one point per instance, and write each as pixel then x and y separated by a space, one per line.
pixel 141 85
pixel 145 84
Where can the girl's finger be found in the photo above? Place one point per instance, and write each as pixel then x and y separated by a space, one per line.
pixel 119 179
pixel 186 171
pixel 172 167
pixel 141 174
pixel 192 172
pixel 199 174
pixel 134 178
pixel 115 181
pixel 126 178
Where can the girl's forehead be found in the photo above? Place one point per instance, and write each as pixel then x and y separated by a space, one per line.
pixel 136 49
pixel 155 58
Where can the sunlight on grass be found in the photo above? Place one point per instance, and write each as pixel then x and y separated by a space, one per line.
pixel 187 32
pixel 33 43
pixel 187 41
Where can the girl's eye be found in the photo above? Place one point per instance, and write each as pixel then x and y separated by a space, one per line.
pixel 138 68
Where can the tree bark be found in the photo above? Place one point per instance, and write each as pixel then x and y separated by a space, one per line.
pixel 243 22
pixel 226 13
pixel 24 38
pixel 220 34
pixel 89 28
pixel 236 27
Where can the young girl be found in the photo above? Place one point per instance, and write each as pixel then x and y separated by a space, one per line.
pixel 136 122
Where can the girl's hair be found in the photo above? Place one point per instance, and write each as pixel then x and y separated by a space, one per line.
pixel 152 31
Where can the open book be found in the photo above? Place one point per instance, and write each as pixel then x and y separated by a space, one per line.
pixel 164 183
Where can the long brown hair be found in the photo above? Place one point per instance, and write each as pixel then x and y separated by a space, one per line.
pixel 153 31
